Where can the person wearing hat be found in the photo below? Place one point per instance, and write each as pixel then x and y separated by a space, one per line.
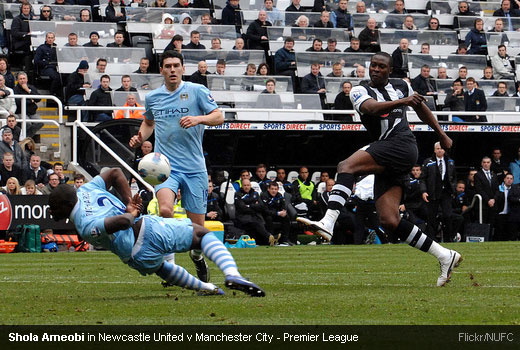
pixel 94 40
pixel 175 44
pixel 331 45
pixel 76 85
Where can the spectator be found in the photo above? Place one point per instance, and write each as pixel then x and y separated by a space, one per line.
pixel 263 69
pixel 413 205
pixel 119 38
pixel 214 210
pixel 486 184
pixel 331 45
pixel 54 181
pixel 281 178
pixel 476 39
pixel 250 71
pixel 257 31
pixel 442 73
pixel 232 15
pixel 369 37
pixel 79 180
pixel 294 7
pixel 324 21
pixel 76 85
pixel 359 72
pixel 285 60
pixel 144 65
pixel 131 101
pixel 464 10
pixel 9 168
pixel 471 191
pixel 439 187
pixel 433 24
pixel 354 45
pixel 28 146
pixel 21 34
pixel 46 61
pixel 12 187
pixel 23 88
pixel 249 210
pixel 462 49
pixel 304 194
pixel 361 7
pixel 36 172
pixel 195 42
pixel 455 97
pixel 12 124
pixel 72 40
pixel 337 71
pixel 341 18
pixel 343 102
pixel 317 46
pixel 201 75
pixel 463 73
pixel 45 13
pixel 57 168
pixel 501 62
pixel 394 19
pixel 102 97
pixel 6 72
pixel 244 174
pixel 425 48
pixel 300 30
pixel 514 210
pixel 126 84
pixel 400 60
pixel 504 231
pixel 320 6
pixel 313 83
pixel 275 212
pixel 507 12
pixel 498 166
pixel 488 73
pixel 115 12
pixel 182 4
pixel 7 102
pixel 175 44
pixel 261 178
pixel 499 28
pixel 408 23
pixel 514 168
pixel 274 16
pixel 221 67
pixel 94 40
pixel 186 19
pixel 269 97
pixel 424 83
pixel 216 44
pixel 85 16
pixel 159 3
pixel 474 100
pixel 501 90
pixel 29 188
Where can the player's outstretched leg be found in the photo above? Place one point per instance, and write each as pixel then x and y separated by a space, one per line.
pixel 337 199
pixel 175 275
pixel 218 253
pixel 448 259
pixel 200 265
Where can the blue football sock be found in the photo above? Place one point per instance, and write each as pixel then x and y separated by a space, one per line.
pixel 215 250
pixel 178 276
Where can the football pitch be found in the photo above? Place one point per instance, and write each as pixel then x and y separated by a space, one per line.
pixel 305 285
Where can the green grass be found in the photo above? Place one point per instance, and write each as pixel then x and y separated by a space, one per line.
pixel 392 284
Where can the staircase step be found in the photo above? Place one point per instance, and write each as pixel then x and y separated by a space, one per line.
pixel 50 126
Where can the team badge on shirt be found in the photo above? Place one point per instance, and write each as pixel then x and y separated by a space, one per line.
pixel 210 98
pixel 184 97
pixel 356 95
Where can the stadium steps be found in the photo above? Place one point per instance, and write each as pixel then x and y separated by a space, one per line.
pixel 49 134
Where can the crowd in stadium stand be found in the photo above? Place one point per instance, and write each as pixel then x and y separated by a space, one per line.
pixel 366 28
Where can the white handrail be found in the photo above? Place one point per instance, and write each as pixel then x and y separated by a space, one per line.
pixel 112 153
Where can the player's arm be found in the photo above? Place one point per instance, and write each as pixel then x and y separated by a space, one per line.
pixel 215 117
pixel 117 179
pixel 126 220
pixel 425 114
pixel 371 106
pixel 145 131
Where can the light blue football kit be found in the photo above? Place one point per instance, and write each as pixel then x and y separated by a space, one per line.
pixel 183 147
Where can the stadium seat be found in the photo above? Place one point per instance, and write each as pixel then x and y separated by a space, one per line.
pixel 315 177
pixel 292 176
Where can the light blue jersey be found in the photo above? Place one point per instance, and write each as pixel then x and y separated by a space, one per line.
pixel 183 147
pixel 94 204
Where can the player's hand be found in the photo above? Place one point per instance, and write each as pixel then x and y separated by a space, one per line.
pixel 414 100
pixel 189 121
pixel 402 208
pixel 425 197
pixel 446 142
pixel 136 140
pixel 135 206
pixel 282 213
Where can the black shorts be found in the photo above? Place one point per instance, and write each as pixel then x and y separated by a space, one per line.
pixel 398 155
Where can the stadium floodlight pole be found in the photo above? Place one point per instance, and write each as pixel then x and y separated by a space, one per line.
pixel 115 156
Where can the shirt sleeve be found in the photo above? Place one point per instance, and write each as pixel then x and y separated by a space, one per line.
pixel 410 89
pixel 206 102
pixel 148 111
pixel 358 95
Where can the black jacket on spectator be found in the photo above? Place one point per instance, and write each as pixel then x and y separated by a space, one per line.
pixel 20 159
pixel 342 101
pixel 113 44
pixel 39 177
pixel 420 84
pixel 101 97
pixel 214 205
pixel 255 31
pixel 110 13
pixel 432 181
pixel 232 16
pixel 9 79
pixel 476 101
pixel 45 56
pixel 132 89
pixel 192 46
pixel 513 199
pixel 272 205
pixel 16 132
pixel 343 19
pixel 283 59
pixel 19 30
pixel 312 83
pixel 15 172
pixel 200 78
pixel 454 102
pixel 397 58
pixel 484 188
pixel 30 104
pixel 89 44
pixel 366 37
pixel 249 207
pixel 74 86
pixel 512 12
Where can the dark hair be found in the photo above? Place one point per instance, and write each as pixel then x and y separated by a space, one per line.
pixel 177 37
pixel 104 76
pixel 79 177
pixel 193 32
pixel 263 64
pixel 502 45
pixel 89 14
pixel 289 39
pixel 73 34
pixel 425 66
pixel 101 60
pixel 170 54
pixel 261 165
pixel 318 40
pixel 458 80
pixel 385 55
pixel 244 171
pixel 269 81
pixel 125 76
pixel 502 82
pixel 470 79
pixel 221 61
pixel 273 184
pixel 57 164
pixel 345 82
pixel 144 58
pixel 354 39
pixel 119 32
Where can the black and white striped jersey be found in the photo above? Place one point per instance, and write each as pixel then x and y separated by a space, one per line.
pixel 386 125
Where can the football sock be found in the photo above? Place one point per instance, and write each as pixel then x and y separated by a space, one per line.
pixel 412 235
pixel 170 258
pixel 338 197
pixel 178 276
pixel 217 252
